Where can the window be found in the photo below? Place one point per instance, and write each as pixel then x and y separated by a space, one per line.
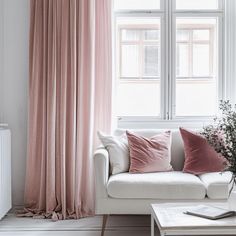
pixel 196 64
pixel 197 4
pixel 136 5
pixel 168 59
pixel 138 67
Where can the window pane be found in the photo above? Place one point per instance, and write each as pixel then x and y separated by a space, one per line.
pixel 129 65
pixel 195 97
pixel 182 35
pixel 182 60
pixel 139 59
pixel 196 94
pixel 151 61
pixel 201 57
pixel 137 22
pixel 152 34
pixel 138 98
pixel 136 5
pixel 197 4
pixel 201 35
pixel 130 35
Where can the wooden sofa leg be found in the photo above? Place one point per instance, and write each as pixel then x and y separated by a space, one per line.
pixel 104 221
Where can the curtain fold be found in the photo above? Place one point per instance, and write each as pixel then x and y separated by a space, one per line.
pixel 70 88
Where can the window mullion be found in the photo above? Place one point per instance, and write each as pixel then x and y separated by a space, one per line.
pixel 120 52
pixel 164 61
pixel 171 60
pixel 141 58
pixel 190 45
pixel 211 51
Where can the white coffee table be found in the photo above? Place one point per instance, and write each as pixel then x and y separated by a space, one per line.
pixel 171 220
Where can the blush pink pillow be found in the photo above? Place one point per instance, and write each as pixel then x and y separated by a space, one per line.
pixel 200 157
pixel 149 155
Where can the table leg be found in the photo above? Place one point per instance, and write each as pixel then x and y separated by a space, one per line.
pixel 152 226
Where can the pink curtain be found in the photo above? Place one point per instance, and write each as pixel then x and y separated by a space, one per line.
pixel 69 100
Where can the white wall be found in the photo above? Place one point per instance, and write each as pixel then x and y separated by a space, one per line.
pixel 230 53
pixel 14 85
pixel 1 60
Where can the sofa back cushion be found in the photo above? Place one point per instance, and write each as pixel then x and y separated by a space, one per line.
pixel 177 149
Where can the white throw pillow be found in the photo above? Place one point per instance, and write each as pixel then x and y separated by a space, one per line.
pixel 118 149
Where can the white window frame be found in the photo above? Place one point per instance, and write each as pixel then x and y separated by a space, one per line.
pixel 167 15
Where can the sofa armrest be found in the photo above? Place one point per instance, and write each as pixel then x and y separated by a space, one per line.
pixel 101 166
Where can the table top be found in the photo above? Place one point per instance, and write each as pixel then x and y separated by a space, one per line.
pixel 171 216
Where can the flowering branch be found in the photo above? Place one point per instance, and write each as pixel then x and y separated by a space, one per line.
pixel 222 134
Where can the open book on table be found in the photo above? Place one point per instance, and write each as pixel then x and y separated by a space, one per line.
pixel 210 212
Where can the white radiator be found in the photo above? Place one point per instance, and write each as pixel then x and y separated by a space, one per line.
pixel 5 171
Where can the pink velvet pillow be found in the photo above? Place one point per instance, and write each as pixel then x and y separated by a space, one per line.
pixel 149 155
pixel 200 157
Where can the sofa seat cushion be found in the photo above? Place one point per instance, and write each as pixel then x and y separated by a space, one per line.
pixel 160 185
pixel 217 184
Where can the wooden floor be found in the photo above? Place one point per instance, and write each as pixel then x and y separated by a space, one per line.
pixel 116 226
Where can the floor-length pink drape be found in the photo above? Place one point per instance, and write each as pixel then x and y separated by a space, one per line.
pixel 69 100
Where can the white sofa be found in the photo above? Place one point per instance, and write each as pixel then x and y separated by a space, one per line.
pixel 127 193
pixel 5 171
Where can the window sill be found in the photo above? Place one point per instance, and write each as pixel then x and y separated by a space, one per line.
pixel 152 123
